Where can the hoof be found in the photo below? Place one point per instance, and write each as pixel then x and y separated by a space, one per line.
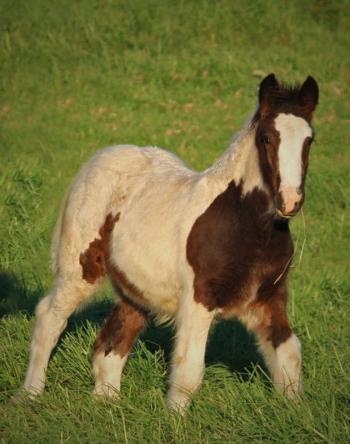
pixel 24 395
pixel 178 402
pixel 106 391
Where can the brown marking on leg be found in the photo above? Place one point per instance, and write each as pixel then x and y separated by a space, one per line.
pixel 121 328
pixel 280 329
pixel 94 260
pixel 269 312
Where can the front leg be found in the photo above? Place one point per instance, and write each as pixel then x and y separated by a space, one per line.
pixel 192 327
pixel 280 347
pixel 284 364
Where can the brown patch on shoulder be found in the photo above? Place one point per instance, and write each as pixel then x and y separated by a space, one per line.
pixel 94 260
pixel 229 243
pixel 121 328
pixel 240 257
pixel 127 319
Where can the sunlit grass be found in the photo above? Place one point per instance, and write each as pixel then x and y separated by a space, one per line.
pixel 78 76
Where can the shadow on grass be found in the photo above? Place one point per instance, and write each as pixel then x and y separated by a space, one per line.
pixel 229 343
pixel 16 296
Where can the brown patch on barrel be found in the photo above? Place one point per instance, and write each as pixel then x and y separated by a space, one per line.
pixel 94 260
pixel 121 328
pixel 127 319
pixel 121 281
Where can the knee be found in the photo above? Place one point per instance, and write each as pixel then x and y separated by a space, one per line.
pixel 42 307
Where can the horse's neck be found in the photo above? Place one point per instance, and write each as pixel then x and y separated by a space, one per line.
pixel 240 163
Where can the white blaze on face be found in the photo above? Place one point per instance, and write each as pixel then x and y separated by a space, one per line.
pixel 293 131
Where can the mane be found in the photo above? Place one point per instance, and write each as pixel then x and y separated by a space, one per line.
pixel 229 164
pixel 286 94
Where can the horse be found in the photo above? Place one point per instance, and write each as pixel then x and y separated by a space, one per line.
pixel 186 247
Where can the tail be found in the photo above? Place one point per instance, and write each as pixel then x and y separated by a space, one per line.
pixel 56 235
pixel 98 189
pixel 83 212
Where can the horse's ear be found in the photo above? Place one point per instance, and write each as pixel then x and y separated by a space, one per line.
pixel 267 87
pixel 308 95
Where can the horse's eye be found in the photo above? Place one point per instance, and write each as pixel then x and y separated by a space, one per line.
pixel 265 139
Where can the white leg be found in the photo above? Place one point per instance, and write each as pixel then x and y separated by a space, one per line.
pixel 284 364
pixel 193 325
pixel 288 375
pixel 107 370
pixel 113 344
pixel 52 313
pixel 278 344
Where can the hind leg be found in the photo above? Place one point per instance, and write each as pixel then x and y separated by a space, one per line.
pixel 113 344
pixel 52 313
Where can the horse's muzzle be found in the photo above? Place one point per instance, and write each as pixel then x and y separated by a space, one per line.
pixel 289 201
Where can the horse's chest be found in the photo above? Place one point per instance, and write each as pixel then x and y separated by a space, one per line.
pixel 233 253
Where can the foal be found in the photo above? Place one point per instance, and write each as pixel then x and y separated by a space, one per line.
pixel 186 246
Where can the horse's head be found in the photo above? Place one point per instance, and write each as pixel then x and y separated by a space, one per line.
pixel 283 137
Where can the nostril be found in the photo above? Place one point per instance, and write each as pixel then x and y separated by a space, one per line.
pixel 296 207
pixel 289 201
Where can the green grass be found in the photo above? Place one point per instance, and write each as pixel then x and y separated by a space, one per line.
pixel 79 75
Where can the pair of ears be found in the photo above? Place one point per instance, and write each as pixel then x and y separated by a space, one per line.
pixel 306 96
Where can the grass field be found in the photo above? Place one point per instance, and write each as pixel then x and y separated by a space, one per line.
pixel 76 76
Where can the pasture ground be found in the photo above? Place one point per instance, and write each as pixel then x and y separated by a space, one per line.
pixel 76 76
